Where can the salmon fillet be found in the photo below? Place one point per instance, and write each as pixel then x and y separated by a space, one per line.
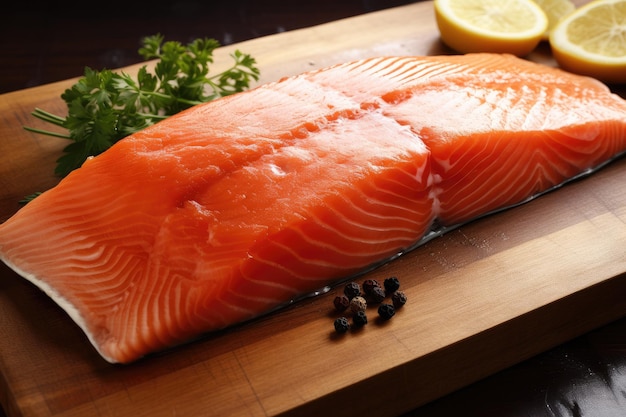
pixel 235 207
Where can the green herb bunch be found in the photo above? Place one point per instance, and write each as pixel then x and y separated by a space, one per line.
pixel 104 106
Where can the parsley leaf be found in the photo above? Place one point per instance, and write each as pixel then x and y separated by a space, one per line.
pixel 105 106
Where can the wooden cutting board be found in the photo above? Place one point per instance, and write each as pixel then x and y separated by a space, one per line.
pixel 481 298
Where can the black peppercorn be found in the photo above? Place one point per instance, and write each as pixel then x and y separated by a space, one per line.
pixel 399 299
pixel 352 289
pixel 342 325
pixel 377 295
pixel 386 311
pixel 391 284
pixel 369 285
pixel 341 303
pixel 360 319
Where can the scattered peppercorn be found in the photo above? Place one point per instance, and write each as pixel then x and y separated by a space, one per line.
pixel 360 319
pixel 399 299
pixel 391 284
pixel 386 311
pixel 357 304
pixel 341 303
pixel 377 295
pixel 342 325
pixel 354 297
pixel 369 285
pixel 352 289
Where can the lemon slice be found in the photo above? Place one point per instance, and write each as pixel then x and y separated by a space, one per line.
pixel 501 26
pixel 555 10
pixel 592 41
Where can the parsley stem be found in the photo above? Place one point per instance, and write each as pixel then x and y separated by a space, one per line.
pixel 168 96
pixel 47 132
pixel 48 117
pixel 104 106
pixel 153 116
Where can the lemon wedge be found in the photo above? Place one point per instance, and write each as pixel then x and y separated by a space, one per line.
pixel 555 10
pixel 501 26
pixel 592 41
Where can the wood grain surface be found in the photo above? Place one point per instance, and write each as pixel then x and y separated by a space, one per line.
pixel 481 298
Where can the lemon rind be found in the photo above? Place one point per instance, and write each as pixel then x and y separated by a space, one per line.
pixel 559 39
pixel 536 31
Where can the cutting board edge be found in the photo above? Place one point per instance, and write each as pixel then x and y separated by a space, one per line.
pixel 395 388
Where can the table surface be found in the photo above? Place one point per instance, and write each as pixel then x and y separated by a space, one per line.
pixel 584 376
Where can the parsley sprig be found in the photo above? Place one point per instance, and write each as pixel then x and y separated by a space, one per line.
pixel 105 106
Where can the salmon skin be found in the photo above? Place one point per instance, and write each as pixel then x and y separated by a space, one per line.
pixel 233 208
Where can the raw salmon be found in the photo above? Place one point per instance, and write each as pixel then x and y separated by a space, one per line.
pixel 235 207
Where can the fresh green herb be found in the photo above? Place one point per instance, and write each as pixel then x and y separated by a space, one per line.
pixel 29 198
pixel 105 106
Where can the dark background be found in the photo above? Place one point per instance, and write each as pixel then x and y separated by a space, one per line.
pixel 44 42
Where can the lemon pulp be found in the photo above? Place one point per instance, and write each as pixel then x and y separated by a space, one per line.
pixel 592 40
pixel 511 26
pixel 555 10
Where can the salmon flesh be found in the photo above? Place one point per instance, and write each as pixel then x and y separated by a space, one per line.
pixel 233 208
